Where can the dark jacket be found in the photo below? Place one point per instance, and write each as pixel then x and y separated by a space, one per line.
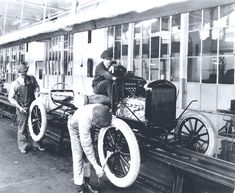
pixel 101 73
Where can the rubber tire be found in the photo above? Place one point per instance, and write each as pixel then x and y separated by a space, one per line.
pixel 209 126
pixel 134 154
pixel 40 135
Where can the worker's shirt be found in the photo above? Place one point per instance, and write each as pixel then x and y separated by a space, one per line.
pixel 101 73
pixel 82 119
pixel 22 90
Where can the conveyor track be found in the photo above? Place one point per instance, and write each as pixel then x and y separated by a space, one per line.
pixel 210 168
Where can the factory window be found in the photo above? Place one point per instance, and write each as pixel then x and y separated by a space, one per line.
pixel 10 58
pixel 59 54
pixel 118 42
pixel 211 45
pixel 156 48
pixel 68 54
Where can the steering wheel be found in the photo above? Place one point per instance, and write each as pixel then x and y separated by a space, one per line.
pixel 61 94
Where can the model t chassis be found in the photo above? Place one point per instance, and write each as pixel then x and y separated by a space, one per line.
pixel 134 131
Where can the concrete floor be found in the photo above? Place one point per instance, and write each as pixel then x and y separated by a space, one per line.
pixel 51 171
pixel 41 172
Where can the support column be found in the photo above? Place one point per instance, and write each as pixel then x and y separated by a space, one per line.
pixel 61 77
pixel 183 62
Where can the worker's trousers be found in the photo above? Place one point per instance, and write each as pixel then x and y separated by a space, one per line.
pixel 22 136
pixel 81 166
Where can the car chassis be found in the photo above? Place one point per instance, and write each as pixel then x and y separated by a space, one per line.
pixel 144 115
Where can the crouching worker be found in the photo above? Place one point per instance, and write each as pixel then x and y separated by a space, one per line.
pixel 80 126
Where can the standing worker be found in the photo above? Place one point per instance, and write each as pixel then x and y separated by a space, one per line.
pixel 22 93
pixel 103 80
pixel 80 125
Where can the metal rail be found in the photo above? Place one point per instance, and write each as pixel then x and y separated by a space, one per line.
pixel 183 160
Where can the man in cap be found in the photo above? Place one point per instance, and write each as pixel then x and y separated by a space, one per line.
pixel 80 126
pixel 22 93
pixel 103 80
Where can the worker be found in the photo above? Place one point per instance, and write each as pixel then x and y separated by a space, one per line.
pixel 22 93
pixel 103 80
pixel 80 127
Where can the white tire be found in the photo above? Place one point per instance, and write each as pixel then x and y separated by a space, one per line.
pixel 123 165
pixel 196 132
pixel 37 120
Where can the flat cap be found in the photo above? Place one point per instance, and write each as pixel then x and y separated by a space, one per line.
pixel 101 115
pixel 107 54
pixel 22 68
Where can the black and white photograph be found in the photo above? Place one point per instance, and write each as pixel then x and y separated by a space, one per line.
pixel 114 96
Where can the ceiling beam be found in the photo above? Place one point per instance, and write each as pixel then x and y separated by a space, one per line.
pixel 129 17
pixel 22 11
pixel 40 5
pixel 5 17
pixel 44 10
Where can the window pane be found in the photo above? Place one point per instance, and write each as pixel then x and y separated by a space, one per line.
pixel 125 32
pixel 141 68
pixel 209 69
pixel 145 49
pixel 227 14
pixel 193 70
pixel 137 67
pixel 176 22
pixel 226 70
pixel 146 28
pixel 175 44
pixel 194 44
pixel 226 41
pixel 137 30
pixel 210 16
pixel 154 69
pixel 165 43
pixel 117 50
pixel 164 69
pixel 165 24
pixel 195 19
pixel 118 30
pixel 175 69
pixel 124 50
pixel 110 36
pixel 124 62
pixel 145 69
pixel 209 45
pixel 154 47
pixel 155 27
pixel 136 49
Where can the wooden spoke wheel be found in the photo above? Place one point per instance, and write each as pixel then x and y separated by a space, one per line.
pixel 195 132
pixel 123 165
pixel 37 120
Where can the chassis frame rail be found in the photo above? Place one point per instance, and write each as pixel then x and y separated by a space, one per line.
pixel 183 160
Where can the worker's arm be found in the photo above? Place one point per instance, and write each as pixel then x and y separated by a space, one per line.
pixel 11 97
pixel 36 87
pixel 85 137
pixel 86 142
pixel 102 71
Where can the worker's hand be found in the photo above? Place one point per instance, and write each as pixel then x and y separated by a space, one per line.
pixel 21 109
pixel 111 69
pixel 99 171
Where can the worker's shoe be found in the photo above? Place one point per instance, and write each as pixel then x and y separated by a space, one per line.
pixel 88 189
pixel 23 151
pixel 80 189
pixel 39 148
